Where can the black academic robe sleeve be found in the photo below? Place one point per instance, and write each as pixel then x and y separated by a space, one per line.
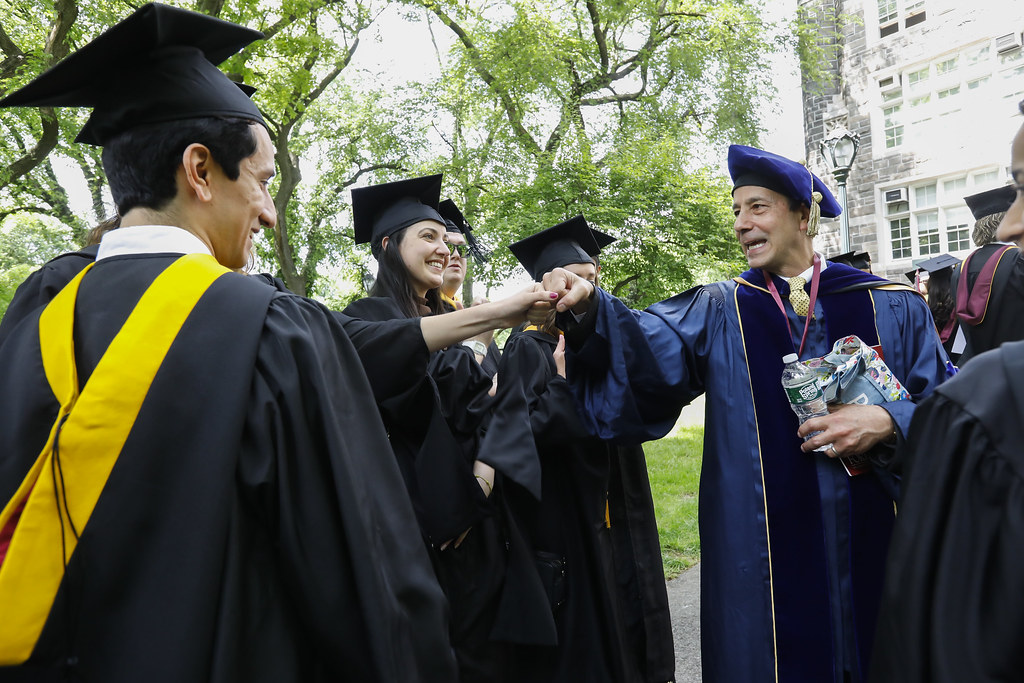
pixel 531 404
pixel 393 353
pixel 529 367
pixel 463 388
pixel 436 467
pixel 491 359
pixel 953 606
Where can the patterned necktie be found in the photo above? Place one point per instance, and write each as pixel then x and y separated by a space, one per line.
pixel 797 296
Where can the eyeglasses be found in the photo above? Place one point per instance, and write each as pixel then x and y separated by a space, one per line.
pixel 461 249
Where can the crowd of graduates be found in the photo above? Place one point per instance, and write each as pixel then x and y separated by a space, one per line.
pixel 205 477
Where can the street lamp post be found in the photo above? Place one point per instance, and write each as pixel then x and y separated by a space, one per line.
pixel 839 150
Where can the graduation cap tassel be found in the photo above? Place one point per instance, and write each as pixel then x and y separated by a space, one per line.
pixel 815 217
pixel 479 253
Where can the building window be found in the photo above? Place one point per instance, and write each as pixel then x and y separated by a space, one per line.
pixel 946 66
pixel 896 14
pixel 929 218
pixel 978 55
pixel 899 230
pixel 924 196
pixel 1011 70
pixel 955 187
pixel 917 80
pixel 987 178
pixel 893 126
pixel 928 233
pixel 925 101
pixel 887 11
pixel 958 229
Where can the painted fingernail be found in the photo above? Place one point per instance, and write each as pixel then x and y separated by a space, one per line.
pixel 553 295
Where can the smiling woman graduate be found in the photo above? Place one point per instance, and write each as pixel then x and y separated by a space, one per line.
pixel 436 425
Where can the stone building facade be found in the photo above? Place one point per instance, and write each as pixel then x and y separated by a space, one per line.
pixel 931 87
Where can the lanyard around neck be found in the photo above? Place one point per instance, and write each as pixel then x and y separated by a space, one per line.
pixel 815 277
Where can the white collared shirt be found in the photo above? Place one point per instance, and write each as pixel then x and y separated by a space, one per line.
pixel 806 275
pixel 150 239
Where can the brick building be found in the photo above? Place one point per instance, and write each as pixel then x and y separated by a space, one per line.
pixel 931 87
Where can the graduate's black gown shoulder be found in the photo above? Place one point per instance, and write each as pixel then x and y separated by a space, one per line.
pixel 595 521
pixel 953 607
pixel 255 526
pixel 43 284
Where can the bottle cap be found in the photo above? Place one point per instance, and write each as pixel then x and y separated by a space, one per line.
pixel 790 358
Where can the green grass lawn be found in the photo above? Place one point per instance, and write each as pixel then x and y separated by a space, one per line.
pixel 673 464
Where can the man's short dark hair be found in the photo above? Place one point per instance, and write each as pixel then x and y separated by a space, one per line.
pixel 141 163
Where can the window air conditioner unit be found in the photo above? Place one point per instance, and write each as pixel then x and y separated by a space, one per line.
pixel 897 195
pixel 889 83
pixel 1010 41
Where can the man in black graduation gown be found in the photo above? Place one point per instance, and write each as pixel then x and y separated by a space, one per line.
pixel 953 606
pixel 592 532
pixel 460 235
pixel 990 299
pixel 195 485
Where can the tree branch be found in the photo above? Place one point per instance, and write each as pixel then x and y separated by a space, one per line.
pixel 8 46
pixel 599 34
pixel 339 66
pixel 512 112
pixel 210 7
pixel 610 99
pixel 286 21
pixel 57 47
pixel 363 171
pixel 622 283
pixel 35 156
pixel 24 209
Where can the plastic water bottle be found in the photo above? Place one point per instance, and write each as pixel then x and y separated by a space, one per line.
pixel 804 392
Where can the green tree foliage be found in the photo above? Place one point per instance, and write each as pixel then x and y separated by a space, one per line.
pixel 318 125
pixel 606 108
pixel 26 242
pixel 619 110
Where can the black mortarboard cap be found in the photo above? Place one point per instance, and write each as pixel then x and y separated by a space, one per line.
pixel 382 210
pixel 933 264
pixel 157 65
pixel 571 241
pixel 752 166
pixel 991 201
pixel 456 222
pixel 855 259
pixel 603 239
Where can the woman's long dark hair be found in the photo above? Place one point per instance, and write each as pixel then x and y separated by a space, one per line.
pixel 940 296
pixel 393 281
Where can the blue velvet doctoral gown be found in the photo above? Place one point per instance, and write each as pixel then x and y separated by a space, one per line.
pixel 792 548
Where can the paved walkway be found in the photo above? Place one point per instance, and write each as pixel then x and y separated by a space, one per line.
pixel 684 604
pixel 684 590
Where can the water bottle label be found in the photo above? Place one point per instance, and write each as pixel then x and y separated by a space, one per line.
pixel 803 393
